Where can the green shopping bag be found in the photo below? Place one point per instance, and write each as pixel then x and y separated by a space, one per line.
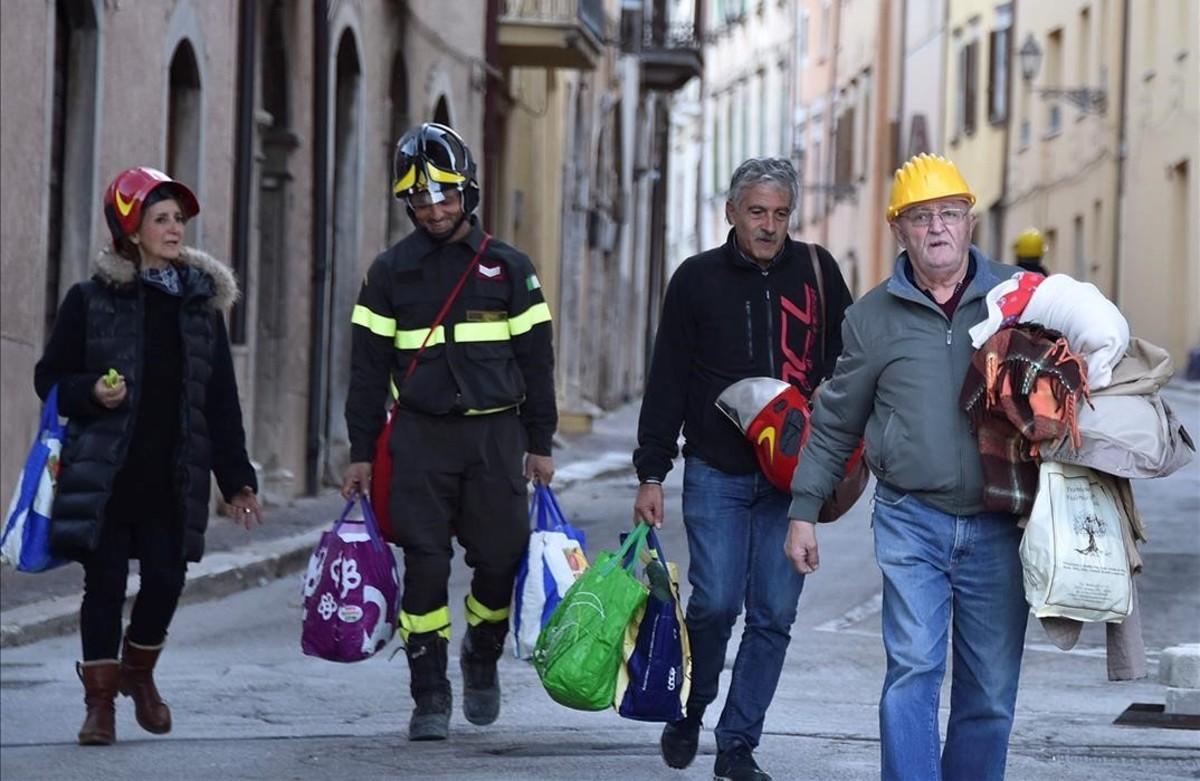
pixel 579 651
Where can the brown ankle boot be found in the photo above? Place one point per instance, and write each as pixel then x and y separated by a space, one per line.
pixel 99 691
pixel 137 681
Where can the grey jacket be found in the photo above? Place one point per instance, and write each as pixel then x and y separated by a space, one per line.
pixel 897 382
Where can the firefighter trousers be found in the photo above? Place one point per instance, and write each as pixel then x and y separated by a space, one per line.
pixel 458 476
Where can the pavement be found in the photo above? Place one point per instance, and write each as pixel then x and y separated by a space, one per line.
pixel 249 719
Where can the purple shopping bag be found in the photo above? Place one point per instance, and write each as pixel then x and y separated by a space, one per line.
pixel 351 590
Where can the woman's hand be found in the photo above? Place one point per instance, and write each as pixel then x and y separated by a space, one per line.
pixel 110 396
pixel 244 508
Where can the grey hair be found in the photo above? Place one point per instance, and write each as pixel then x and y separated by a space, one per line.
pixel 761 170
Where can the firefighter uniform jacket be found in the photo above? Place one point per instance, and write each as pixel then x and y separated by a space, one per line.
pixel 491 353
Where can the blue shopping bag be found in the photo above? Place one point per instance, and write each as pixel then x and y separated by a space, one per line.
pixel 654 681
pixel 556 557
pixel 26 541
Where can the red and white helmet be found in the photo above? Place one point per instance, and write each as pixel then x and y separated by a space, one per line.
pixel 127 193
pixel 774 416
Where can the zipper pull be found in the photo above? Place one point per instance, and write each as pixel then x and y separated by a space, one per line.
pixel 949 334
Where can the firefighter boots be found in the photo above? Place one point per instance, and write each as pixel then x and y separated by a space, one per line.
pixel 481 649
pixel 429 685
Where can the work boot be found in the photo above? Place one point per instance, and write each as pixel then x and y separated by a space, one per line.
pixel 481 649
pixel 99 692
pixel 430 687
pixel 737 764
pixel 137 682
pixel 680 740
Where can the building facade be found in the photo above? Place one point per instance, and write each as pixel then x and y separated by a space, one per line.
pixel 1158 244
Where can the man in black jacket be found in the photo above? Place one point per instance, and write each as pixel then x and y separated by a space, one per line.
pixel 475 417
pixel 748 308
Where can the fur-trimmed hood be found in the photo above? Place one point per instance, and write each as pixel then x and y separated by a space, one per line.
pixel 117 271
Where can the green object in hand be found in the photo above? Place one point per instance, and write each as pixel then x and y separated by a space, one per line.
pixel 112 378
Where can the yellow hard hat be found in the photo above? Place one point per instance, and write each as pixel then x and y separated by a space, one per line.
pixel 926 178
pixel 1030 244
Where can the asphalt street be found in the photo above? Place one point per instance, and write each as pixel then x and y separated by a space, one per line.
pixel 249 705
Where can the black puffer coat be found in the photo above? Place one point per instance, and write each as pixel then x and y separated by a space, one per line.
pixel 115 321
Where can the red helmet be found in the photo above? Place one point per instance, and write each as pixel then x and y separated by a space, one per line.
pixel 774 416
pixel 124 198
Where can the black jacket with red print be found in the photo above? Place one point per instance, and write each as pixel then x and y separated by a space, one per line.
pixel 724 319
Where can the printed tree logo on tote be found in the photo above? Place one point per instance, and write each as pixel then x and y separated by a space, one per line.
pixel 1093 527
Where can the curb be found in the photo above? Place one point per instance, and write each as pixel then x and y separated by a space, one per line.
pixel 228 572
pixel 217 575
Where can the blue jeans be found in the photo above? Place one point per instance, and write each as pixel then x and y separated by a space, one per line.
pixel 736 526
pixel 942 571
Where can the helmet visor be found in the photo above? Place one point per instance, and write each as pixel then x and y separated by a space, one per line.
pixel 435 194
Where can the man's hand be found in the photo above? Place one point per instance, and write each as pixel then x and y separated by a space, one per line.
pixel 648 507
pixel 357 479
pixel 539 469
pixel 801 546
pixel 110 396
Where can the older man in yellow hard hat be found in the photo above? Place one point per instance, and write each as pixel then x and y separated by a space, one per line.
pixel 947 564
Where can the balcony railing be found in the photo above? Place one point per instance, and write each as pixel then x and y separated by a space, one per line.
pixel 552 33
pixel 671 55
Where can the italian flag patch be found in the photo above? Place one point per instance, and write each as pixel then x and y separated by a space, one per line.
pixel 532 282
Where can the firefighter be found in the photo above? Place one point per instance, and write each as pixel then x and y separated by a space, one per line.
pixel 474 417
pixel 1030 248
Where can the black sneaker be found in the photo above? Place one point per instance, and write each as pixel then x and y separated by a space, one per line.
pixel 737 764
pixel 679 742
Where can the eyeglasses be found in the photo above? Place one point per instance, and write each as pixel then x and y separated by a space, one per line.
pixel 923 219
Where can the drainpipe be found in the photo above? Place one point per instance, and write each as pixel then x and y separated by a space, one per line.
pixel 875 186
pixel 1007 143
pixel 492 147
pixel 1123 107
pixel 835 22
pixel 244 163
pixel 320 245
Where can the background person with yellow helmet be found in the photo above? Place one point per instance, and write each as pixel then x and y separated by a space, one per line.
pixel 950 569
pixel 1030 248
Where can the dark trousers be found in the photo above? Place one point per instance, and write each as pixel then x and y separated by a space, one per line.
pixel 149 529
pixel 459 476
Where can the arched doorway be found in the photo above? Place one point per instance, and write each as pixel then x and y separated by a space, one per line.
pixel 184 122
pixel 72 150
pixel 275 309
pixel 344 280
pixel 398 225
pixel 441 112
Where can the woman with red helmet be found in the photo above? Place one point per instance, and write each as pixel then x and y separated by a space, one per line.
pixel 142 363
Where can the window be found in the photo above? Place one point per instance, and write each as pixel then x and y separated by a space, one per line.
pixel 183 127
pixel 1084 75
pixel 802 38
pixel 1054 76
pixel 999 59
pixel 843 154
pixel 785 111
pixel 826 27
pixel 968 64
pixel 1081 264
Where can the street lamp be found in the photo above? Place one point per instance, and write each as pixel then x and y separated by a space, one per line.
pixel 1086 99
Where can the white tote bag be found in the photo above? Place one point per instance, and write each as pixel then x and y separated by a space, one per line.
pixel 1073 551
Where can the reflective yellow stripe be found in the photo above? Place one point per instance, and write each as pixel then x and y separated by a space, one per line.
pixel 538 313
pixel 481 332
pixel 477 612
pixel 412 340
pixel 491 411
pixel 376 324
pixel 437 621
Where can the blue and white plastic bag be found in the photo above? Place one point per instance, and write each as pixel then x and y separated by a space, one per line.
pixel 555 560
pixel 26 541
